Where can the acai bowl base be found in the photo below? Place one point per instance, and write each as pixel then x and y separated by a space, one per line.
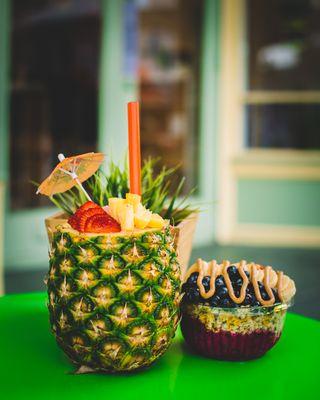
pixel 232 334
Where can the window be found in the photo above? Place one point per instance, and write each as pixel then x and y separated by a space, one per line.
pixel 282 101
pixel 54 85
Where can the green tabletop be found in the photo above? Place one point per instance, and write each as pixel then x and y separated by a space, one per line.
pixel 33 367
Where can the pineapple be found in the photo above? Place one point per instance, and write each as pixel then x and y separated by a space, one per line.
pixel 134 200
pixel 113 298
pixel 126 217
pixel 115 205
pixel 156 221
pixel 142 217
pixel 130 213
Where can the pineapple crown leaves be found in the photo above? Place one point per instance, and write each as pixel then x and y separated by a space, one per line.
pixel 159 194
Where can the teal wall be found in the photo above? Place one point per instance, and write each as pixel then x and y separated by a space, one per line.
pixel 283 202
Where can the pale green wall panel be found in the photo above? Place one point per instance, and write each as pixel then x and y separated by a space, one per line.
pixel 4 86
pixel 112 91
pixel 283 202
pixel 26 239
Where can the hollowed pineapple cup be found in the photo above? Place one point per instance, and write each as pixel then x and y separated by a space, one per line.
pixel 113 298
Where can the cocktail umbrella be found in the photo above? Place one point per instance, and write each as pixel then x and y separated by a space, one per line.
pixel 71 171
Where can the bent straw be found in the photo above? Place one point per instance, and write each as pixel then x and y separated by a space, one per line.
pixel 134 147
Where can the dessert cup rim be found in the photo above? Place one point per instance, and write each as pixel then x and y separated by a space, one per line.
pixel 277 307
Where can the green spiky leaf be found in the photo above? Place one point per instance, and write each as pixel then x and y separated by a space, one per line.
pixel 158 193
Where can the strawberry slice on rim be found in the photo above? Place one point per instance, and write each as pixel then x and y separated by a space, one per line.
pixel 84 216
pixel 87 206
pixel 92 218
pixel 78 219
pixel 101 223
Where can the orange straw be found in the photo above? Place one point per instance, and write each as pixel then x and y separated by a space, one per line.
pixel 134 147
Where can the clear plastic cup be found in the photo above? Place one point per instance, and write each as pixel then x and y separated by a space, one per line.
pixel 236 334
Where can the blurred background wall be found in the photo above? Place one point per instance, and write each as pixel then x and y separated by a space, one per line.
pixel 229 90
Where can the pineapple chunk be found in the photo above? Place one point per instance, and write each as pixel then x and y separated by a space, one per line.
pixel 126 217
pixel 156 221
pixel 142 217
pixel 115 206
pixel 134 200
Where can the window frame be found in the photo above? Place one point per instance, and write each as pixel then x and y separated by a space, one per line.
pixel 236 160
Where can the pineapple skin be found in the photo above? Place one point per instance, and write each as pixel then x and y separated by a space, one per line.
pixel 114 298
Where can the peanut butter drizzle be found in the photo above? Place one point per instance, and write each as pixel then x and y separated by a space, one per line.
pixel 266 283
pixel 213 270
pixel 279 285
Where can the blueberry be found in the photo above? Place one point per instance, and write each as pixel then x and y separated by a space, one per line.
pixel 222 292
pixel 250 289
pixel 247 300
pixel 264 294
pixel 233 273
pixel 226 303
pixel 276 297
pixel 192 294
pixel 238 283
pixel 214 301
pixel 206 283
pixel 256 303
pixel 184 287
pixel 237 292
pixel 247 273
pixel 263 291
pixel 192 280
pixel 220 281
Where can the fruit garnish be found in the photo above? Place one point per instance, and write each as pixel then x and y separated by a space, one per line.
pixel 101 223
pixel 74 220
pixel 115 205
pixel 156 221
pixel 142 218
pixel 239 285
pixel 92 218
pixel 126 217
pixel 134 200
pixel 82 218
pixel 86 206
pixel 130 213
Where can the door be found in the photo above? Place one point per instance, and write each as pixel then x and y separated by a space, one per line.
pixel 53 102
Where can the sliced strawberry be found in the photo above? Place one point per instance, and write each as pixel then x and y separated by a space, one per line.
pixel 82 218
pixel 78 219
pixel 92 218
pixel 87 206
pixel 102 223
pixel 73 222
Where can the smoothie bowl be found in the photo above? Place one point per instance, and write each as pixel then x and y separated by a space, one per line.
pixel 234 311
